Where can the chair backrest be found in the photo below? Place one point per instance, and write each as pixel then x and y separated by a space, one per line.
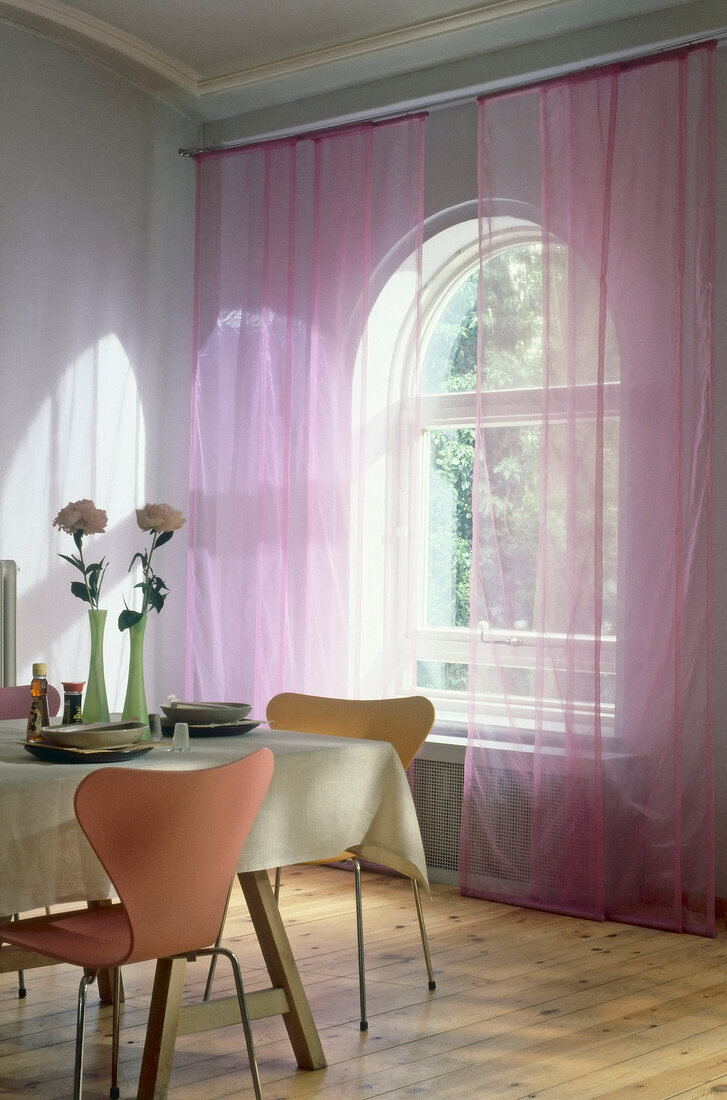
pixel 403 722
pixel 15 701
pixel 170 842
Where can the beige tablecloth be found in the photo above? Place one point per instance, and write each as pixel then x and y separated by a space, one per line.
pixel 328 795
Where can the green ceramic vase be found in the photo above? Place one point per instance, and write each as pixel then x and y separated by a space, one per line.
pixel 95 705
pixel 135 708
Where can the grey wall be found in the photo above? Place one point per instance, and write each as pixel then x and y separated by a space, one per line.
pixel 96 300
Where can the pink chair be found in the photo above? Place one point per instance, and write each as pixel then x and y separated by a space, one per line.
pixel 15 703
pixel 170 842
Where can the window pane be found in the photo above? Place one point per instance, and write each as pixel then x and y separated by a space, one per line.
pixel 508 548
pixel 509 529
pixel 510 513
pixel 443 675
pixel 448 547
pixel 513 327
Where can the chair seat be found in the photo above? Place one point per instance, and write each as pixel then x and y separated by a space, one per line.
pixel 96 938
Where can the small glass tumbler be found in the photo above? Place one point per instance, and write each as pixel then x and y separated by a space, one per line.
pixel 155 725
pixel 181 737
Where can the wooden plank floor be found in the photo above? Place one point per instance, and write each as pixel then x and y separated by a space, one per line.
pixel 528 1005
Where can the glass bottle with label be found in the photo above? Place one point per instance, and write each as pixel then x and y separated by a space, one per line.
pixel 72 692
pixel 38 716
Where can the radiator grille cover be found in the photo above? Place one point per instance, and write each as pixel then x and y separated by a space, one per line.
pixel 438 786
pixel 500 830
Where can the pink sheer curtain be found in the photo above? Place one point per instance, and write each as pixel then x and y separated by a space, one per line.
pixel 596 799
pixel 291 235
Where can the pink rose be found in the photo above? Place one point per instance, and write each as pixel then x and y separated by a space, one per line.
pixel 159 517
pixel 83 516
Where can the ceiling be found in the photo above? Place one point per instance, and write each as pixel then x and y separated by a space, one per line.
pixel 216 58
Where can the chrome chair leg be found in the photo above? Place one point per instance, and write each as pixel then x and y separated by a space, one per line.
pixel 218 941
pixel 114 1090
pixel 22 991
pixel 423 932
pixel 89 977
pixel 364 1024
pixel 244 1014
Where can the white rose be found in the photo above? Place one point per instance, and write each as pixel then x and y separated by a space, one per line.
pixel 81 515
pixel 159 517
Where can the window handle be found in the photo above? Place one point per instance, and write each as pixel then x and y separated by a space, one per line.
pixel 485 636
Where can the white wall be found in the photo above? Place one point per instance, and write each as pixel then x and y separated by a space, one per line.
pixel 96 301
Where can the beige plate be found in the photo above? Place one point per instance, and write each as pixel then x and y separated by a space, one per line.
pixel 94 735
pixel 205 714
pixel 56 754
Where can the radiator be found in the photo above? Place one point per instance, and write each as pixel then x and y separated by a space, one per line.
pixel 437 778
pixel 501 828
pixel 8 604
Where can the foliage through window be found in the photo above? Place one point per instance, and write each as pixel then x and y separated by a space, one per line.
pixel 511 424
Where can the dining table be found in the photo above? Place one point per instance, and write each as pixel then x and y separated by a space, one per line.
pixel 328 795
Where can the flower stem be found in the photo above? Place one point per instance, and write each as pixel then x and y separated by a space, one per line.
pixel 85 578
pixel 147 571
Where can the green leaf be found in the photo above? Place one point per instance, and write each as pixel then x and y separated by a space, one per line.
pixel 156 600
pixel 164 537
pixel 79 589
pixel 142 559
pixel 72 561
pixel 78 539
pixel 128 618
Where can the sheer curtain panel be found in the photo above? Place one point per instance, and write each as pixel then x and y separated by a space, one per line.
pixel 291 236
pixel 591 792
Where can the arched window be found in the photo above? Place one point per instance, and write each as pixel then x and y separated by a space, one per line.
pixel 422 480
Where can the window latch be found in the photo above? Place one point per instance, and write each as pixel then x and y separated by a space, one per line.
pixel 485 636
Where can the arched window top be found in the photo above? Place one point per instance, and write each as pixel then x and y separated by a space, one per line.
pixel 513 296
pixel 512 316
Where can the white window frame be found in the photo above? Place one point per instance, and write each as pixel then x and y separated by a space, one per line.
pixel 395 482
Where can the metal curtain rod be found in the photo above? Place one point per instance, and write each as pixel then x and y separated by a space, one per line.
pixel 305 131
pixel 438 102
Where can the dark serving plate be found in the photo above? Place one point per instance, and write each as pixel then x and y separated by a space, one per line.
pixel 214 729
pixel 57 754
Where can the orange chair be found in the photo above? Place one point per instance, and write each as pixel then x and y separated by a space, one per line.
pixel 170 842
pixel 15 703
pixel 404 723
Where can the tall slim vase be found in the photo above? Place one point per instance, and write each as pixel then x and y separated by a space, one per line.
pixel 135 701
pixel 95 705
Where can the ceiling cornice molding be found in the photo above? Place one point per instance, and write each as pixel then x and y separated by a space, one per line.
pixel 468 20
pixel 71 26
pixel 63 23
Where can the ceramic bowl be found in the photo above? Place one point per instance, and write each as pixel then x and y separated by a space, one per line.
pixel 94 735
pixel 205 714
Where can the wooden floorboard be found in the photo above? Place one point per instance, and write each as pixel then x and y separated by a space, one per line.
pixel 528 1006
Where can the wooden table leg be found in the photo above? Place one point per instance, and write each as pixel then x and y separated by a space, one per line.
pixel 161 1031
pixel 167 1018
pixel 282 968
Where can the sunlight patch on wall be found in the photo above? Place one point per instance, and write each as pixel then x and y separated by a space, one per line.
pixel 86 438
